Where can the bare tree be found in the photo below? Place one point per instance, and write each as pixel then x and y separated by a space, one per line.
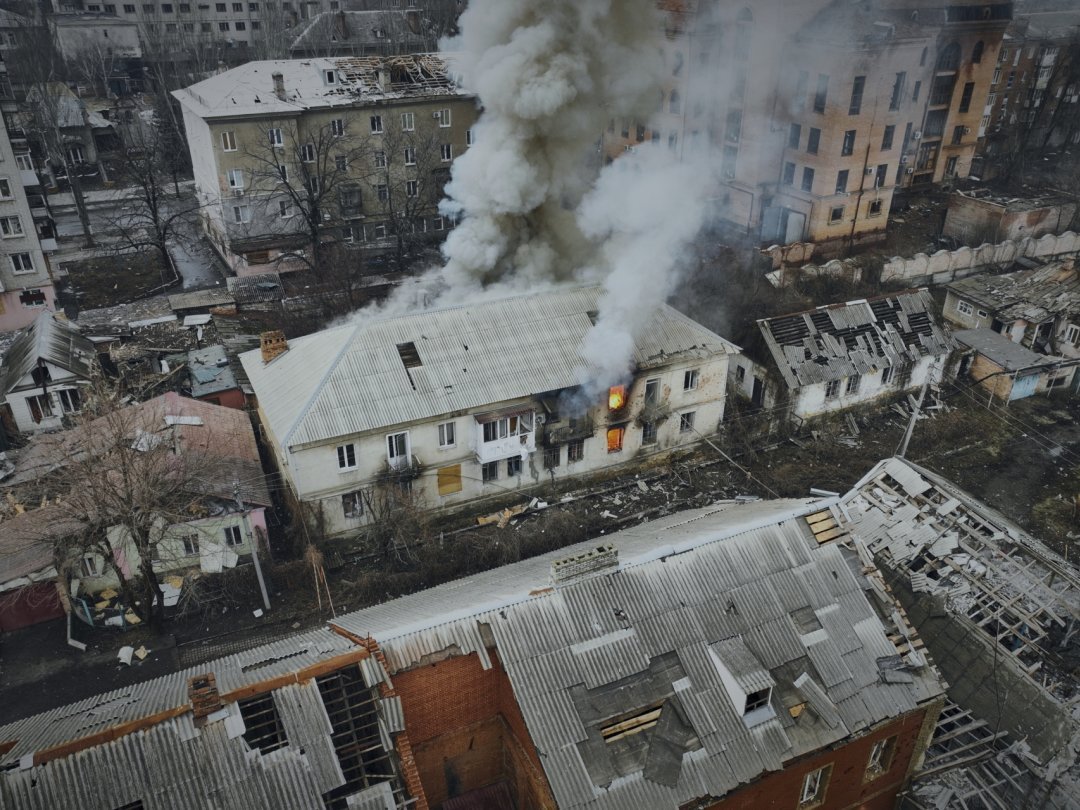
pixel 409 184
pixel 51 108
pixel 151 217
pixel 128 478
pixel 95 64
pixel 308 179
pixel 276 34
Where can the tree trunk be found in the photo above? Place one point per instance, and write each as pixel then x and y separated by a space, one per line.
pixel 155 607
pixel 80 204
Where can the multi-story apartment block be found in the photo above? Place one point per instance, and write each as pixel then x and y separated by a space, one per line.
pixel 869 98
pixel 25 283
pixel 291 156
pixel 1034 98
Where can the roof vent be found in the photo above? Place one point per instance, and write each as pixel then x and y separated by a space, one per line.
pixel 568 569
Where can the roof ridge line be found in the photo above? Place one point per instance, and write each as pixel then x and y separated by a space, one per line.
pixel 319 387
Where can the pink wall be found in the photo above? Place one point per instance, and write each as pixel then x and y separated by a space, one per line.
pixel 13 315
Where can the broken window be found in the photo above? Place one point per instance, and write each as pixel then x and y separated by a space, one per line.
pixel 346 457
pixel 821 93
pixel 758 700
pixel 449 479
pixel 352 505
pixel 652 390
pixel 553 457
pixel 814 786
pixel 648 433
pixel 897 90
pixel 489 471
pixel 836 214
pixel 616 397
pixel 832 389
pixel 807 179
pixel 881 758
pixel 32 298
pixel 69 400
pixel 794 136
pixel 686 422
pixel 233 537
pixel 615 439
pixel 886 375
pixel 397 448
pixel 965 96
pixel 813 141
pixel 789 174
pixel 513 466
pixel 40 407
pixel 690 379
pixel 853 383
pixel 262 723
pixel 874 209
pixel 842 181
pixel 857 87
pixel 848 146
pixel 575 451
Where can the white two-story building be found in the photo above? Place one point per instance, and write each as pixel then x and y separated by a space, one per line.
pixel 470 402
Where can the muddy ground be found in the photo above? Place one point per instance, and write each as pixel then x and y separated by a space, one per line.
pixel 107 281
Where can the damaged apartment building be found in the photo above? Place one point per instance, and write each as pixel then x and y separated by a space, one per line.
pixel 825 360
pixel 727 657
pixel 998 611
pixel 474 401
pixel 350 151
pixel 870 99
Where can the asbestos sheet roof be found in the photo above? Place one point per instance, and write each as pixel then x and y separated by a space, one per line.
pixel 210 371
pixel 840 340
pixel 249 88
pixel 1032 295
pixel 26 540
pixel 222 436
pixel 1009 355
pixel 173 764
pixel 720 582
pixel 257 289
pixel 53 339
pixel 352 379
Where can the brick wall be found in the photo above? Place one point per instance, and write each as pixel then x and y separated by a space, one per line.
pixel 846 788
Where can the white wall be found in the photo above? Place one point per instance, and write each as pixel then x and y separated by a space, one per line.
pixel 313 472
pixel 810 400
pixel 60 380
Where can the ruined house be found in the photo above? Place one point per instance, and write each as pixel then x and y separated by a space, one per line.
pixel 980 215
pixel 1006 370
pixel 474 401
pixel 997 610
pixel 1038 308
pixel 722 657
pixel 841 356
pixel 214 535
pixel 43 373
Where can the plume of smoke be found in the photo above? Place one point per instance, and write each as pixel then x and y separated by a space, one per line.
pixel 532 212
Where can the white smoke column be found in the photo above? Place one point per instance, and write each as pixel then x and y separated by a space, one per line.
pixel 549 75
pixel 644 211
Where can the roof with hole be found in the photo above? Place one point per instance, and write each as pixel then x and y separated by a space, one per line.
pixel 840 340
pixel 51 338
pixel 352 379
pixel 1035 295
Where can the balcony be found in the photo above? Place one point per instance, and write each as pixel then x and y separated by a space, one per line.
pixel 48 244
pixel 568 430
pixel 504 434
pixel 29 178
pixel 506 447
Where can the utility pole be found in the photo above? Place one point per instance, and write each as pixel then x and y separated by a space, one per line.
pixel 253 542
pixel 914 418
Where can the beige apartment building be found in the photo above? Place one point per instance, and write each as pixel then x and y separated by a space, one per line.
pixel 868 98
pixel 292 157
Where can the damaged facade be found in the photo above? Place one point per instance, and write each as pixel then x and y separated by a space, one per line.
pixel 43 374
pixel 216 531
pixel 722 657
pixel 996 609
pixel 347 146
pixel 474 401
pixel 844 355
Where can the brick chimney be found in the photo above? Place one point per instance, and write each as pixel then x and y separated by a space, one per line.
pixel 204 697
pixel 279 85
pixel 272 344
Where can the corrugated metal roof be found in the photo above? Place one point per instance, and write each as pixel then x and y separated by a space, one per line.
pixel 352 379
pixel 52 338
pixel 1007 354
pixel 841 340
pixel 1034 295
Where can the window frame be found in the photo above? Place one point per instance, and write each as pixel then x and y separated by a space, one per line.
pixel 691 379
pixel 228 137
pixel 686 422
pixel 819 780
pixel 376 124
pixel 346 457
pixel 234 536
pixel 408 122
pixel 575 451
pixel 24 264
pixel 447 435
pixel 832 389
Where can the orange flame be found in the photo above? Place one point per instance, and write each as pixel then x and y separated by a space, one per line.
pixel 616 397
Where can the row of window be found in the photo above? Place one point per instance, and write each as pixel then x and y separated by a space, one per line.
pixel 167 8
pixel 854 382
pixel 816 783
pixel 338 126
pixel 63 401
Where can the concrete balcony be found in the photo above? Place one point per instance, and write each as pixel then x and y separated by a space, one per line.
pixel 29 178
pixel 48 244
pixel 505 448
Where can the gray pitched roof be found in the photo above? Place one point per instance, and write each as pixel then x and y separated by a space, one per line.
pixel 51 338
pixel 1034 295
pixel 370 31
pixel 351 379
pixel 707 585
pixel 840 340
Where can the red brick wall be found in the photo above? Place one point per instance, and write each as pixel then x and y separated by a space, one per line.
pixel 846 788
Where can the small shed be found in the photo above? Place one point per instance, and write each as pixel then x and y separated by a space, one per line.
pixel 1007 370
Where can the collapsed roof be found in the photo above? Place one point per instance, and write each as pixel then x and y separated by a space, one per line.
pixel 1032 295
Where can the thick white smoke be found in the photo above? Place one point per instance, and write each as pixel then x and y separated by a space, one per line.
pixel 550 75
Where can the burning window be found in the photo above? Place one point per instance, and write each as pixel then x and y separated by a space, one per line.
pixel 615 439
pixel 616 397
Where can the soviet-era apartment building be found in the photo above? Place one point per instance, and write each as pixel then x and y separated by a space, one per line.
pixel 870 98
pixel 737 656
pixel 291 156
pixel 475 401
